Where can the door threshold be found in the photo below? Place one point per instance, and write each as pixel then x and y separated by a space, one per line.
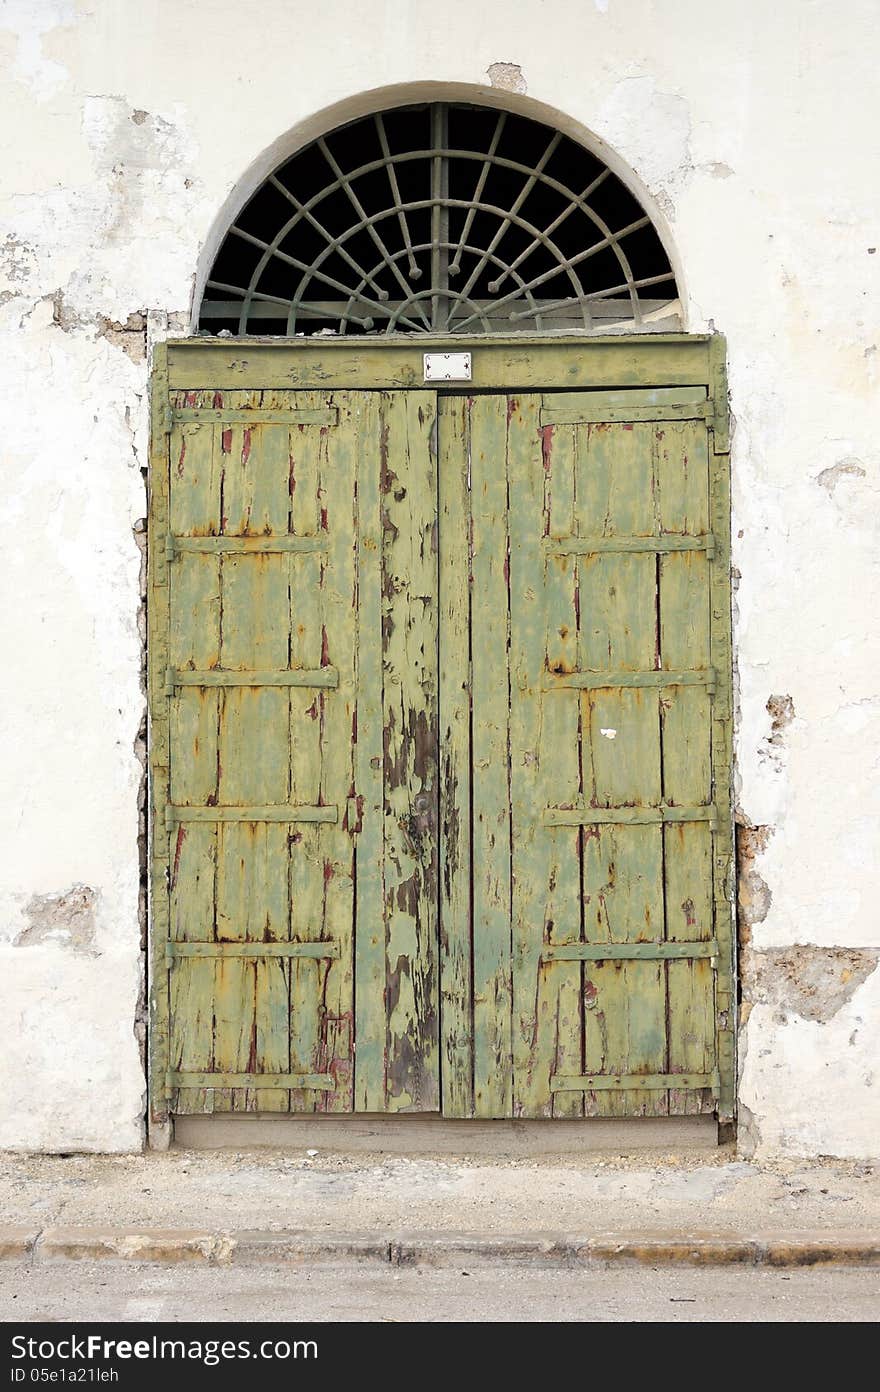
pixel 428 1134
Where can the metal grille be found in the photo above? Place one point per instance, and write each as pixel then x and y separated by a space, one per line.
pixel 440 219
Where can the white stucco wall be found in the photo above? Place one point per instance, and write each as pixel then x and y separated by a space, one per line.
pixel 126 127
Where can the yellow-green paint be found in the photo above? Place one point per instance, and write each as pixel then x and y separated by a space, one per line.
pixel 440 738
pixel 455 845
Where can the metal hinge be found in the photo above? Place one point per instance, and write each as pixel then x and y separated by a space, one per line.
pixel 164 557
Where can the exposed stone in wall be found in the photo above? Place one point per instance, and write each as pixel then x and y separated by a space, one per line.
pixel 130 336
pixel 67 918
pixel 748 1136
pixel 753 896
pixel 507 76
pixel 813 982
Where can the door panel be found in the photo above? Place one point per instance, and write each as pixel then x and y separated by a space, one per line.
pixel 301 701
pixel 440 752
pixel 581 893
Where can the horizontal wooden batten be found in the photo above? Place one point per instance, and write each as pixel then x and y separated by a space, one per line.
pixel 629 397
pixel 519 362
pixel 323 1082
pixel 597 681
pixel 197 415
pixel 242 545
pixel 318 677
pixel 273 813
pixel 593 546
pixel 627 816
pixel 623 415
pixel 318 950
pixel 626 952
pixel 631 1082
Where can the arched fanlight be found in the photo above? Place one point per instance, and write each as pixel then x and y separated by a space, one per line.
pixel 440 218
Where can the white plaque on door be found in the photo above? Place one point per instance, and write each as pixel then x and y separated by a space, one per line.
pixel 447 367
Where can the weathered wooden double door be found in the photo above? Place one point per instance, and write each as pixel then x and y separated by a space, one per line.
pixel 440 748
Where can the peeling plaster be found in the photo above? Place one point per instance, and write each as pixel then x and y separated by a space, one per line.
pixel 131 336
pixel 654 126
pixel 812 982
pixel 67 918
pixel 846 468
pixel 18 261
pixel 507 76
pixel 808 1085
pixel 30 22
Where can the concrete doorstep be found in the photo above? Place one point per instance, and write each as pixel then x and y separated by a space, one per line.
pixel 449 1249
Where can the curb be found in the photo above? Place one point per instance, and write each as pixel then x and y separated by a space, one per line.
pixel 289 1248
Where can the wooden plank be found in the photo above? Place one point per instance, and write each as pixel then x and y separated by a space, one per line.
pixel 289 415
pixel 606 952
pixel 521 362
pixel 560 983
pixel 265 490
pixel 490 795
pixel 307 714
pixel 233 545
pixel 640 398
pixel 312 677
pixel 370 1023
pixel 595 681
pixel 718 392
pixel 632 1082
pixel 250 1004
pixel 595 414
pixel 410 721
pixel 253 949
pixel 626 816
pixel 263 1083
pixel 683 488
pixel 592 545
pixel 456 989
pixel 157 984
pixel 532 1025
pixel 281 813
pixel 194 636
pixel 722 737
pixel 337 483
pixel 622 865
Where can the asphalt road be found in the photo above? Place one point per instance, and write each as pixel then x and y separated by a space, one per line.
pixel 144 1293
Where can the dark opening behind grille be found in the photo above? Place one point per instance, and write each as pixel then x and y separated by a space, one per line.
pixel 440 218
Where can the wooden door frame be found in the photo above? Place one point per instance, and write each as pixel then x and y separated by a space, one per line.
pixel 394 362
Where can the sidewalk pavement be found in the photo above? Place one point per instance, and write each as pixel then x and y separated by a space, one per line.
pixel 299 1207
